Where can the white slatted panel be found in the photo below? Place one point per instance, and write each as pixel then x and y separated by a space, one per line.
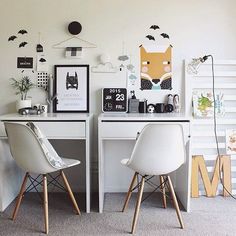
pixel 203 140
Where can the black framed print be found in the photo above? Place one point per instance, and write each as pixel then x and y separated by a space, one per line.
pixel 72 88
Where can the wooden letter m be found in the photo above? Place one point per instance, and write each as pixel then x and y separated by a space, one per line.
pixel 198 164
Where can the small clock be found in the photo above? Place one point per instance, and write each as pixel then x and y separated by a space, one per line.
pixel 114 100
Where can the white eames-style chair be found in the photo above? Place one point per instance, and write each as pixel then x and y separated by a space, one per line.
pixel 29 153
pixel 158 151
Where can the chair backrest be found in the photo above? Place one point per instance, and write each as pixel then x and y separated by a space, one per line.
pixel 26 149
pixel 159 149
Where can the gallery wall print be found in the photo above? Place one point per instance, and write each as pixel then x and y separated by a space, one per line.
pixel 105 65
pixel 123 57
pixel 42 63
pixel 74 45
pixel 22 31
pixel 230 137
pixel 42 80
pixel 39 47
pixel 72 88
pixel 24 62
pixel 13 38
pixel 156 62
pixel 203 104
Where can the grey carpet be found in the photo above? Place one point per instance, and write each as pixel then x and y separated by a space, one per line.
pixel 209 216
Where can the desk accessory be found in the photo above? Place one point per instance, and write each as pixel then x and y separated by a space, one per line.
pixel 160 107
pixel 151 108
pixel 143 106
pixel 22 87
pixel 30 111
pixel 114 100
pixel 176 103
pixel 133 103
pixel 169 107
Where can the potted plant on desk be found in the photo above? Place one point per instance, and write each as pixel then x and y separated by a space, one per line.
pixel 22 87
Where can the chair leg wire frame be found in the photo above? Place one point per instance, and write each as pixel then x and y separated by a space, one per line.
pixel 35 182
pixel 165 182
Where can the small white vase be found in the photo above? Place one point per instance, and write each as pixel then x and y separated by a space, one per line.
pixel 23 104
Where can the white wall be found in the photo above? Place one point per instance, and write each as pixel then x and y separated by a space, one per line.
pixel 195 28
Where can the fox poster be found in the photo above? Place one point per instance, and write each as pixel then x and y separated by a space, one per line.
pixel 156 66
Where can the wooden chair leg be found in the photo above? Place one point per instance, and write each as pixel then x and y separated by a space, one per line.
pixel 128 195
pixel 20 196
pixel 138 203
pixel 45 202
pixel 70 193
pixel 163 189
pixel 176 205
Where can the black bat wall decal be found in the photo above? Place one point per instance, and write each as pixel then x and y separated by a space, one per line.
pixel 12 38
pixel 154 27
pixel 164 35
pixel 150 37
pixel 22 44
pixel 42 60
pixel 22 31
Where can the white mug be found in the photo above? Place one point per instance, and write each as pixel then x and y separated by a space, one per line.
pixel 44 108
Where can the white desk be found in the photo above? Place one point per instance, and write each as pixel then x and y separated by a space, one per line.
pixel 76 126
pixel 119 127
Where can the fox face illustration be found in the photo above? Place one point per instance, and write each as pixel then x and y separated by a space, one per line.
pixel 155 67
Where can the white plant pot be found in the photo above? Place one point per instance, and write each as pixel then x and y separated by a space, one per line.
pixel 23 104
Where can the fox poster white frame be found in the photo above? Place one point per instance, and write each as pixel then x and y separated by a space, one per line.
pixel 71 87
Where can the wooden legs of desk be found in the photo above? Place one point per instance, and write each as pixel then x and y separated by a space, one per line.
pixel 70 193
pixel 128 195
pixel 20 196
pixel 176 205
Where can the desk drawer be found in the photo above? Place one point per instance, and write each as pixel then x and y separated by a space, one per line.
pixel 119 130
pixel 62 130
pixel 129 130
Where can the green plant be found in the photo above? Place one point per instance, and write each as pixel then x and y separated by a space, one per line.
pixel 22 86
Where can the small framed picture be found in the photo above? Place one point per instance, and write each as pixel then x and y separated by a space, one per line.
pixel 72 88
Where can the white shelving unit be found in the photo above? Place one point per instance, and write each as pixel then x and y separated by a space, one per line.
pixel 202 132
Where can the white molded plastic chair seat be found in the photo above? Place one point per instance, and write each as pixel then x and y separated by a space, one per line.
pixel 159 150
pixel 34 154
pixel 27 150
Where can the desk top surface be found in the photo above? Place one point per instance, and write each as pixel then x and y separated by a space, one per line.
pixel 143 116
pixel 48 116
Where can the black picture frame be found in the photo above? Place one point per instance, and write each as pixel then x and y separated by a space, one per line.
pixel 71 84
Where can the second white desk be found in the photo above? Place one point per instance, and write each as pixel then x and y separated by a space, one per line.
pixel 124 127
